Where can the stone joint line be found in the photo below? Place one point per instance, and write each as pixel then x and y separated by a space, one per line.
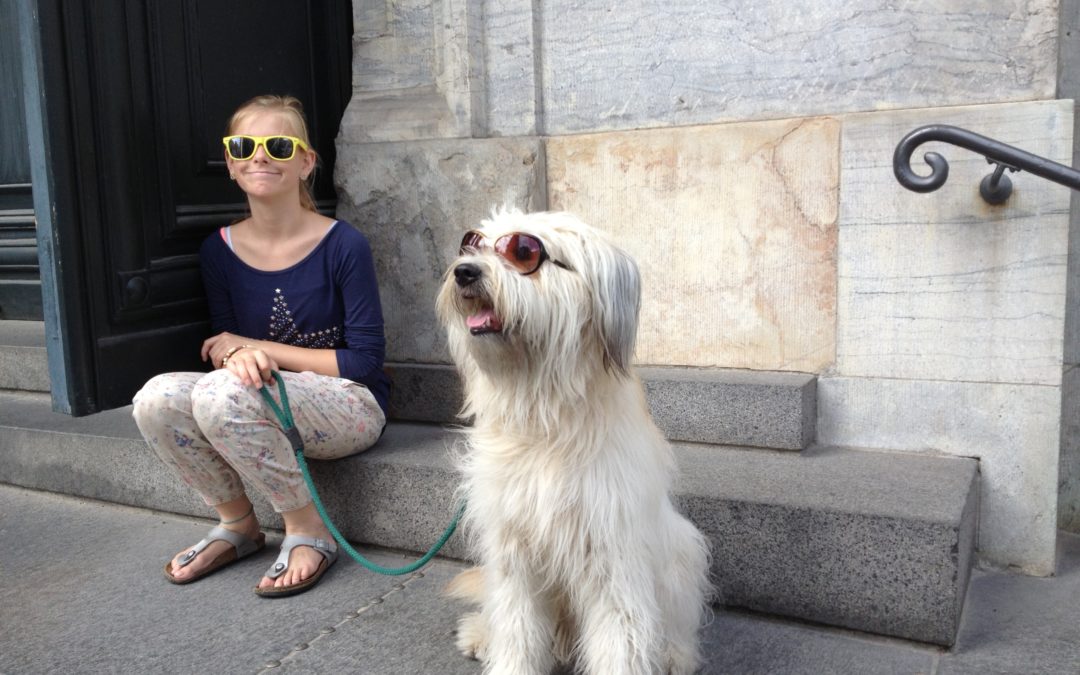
pixel 327 630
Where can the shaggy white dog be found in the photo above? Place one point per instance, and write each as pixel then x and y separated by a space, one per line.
pixel 583 556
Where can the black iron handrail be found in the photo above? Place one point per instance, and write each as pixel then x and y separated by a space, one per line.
pixel 996 187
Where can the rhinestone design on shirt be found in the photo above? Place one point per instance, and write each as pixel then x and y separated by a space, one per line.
pixel 283 328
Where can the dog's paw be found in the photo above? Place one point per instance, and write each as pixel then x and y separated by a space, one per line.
pixel 472 636
pixel 683 664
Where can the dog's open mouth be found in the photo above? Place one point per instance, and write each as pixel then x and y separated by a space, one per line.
pixel 484 322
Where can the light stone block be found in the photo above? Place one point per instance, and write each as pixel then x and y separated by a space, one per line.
pixel 511 68
pixel 418 71
pixel 1011 429
pixel 414 201
pixel 943 286
pixel 631 65
pixel 734 230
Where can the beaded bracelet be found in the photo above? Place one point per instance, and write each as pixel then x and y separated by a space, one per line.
pixel 225 359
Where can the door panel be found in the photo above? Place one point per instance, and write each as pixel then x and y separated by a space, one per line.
pixel 136 104
pixel 20 287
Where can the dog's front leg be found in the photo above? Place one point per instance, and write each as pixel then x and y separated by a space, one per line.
pixel 620 628
pixel 521 622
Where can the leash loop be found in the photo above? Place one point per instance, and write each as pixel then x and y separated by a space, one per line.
pixel 288 426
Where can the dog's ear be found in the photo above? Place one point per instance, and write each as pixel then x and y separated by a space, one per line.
pixel 616 285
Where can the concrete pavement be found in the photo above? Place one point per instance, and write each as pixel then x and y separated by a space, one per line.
pixel 81 591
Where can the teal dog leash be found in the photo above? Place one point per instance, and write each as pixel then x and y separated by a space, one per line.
pixel 284 415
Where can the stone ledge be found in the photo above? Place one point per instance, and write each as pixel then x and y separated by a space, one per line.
pixel 399 494
pixel 733 407
pixel 872 541
pixel 718 406
pixel 424 392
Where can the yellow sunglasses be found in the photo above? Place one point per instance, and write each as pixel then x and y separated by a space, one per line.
pixel 281 148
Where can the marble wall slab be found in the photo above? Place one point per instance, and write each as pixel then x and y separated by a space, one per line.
pixel 609 66
pixel 1012 429
pixel 942 286
pixel 733 227
pixel 414 201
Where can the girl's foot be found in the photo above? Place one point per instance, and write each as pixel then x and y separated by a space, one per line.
pixel 247 526
pixel 304 562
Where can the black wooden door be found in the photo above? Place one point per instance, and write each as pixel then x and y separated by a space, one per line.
pixel 128 100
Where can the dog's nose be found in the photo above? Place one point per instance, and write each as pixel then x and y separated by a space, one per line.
pixel 466 273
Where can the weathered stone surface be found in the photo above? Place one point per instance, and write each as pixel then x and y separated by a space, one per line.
pixel 729 407
pixel 873 541
pixel 943 286
pixel 425 392
pixel 733 407
pixel 414 201
pixel 641 64
pixel 733 227
pixel 417 71
pixel 1069 462
pixel 1011 429
pixel 462 67
pixel 512 68
pixel 1068 87
pixel 23 361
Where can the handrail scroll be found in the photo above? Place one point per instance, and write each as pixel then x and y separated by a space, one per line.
pixel 996 187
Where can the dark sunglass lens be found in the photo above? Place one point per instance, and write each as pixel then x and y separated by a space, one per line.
pixel 471 241
pixel 520 250
pixel 279 147
pixel 241 147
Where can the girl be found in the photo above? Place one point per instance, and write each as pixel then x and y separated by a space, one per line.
pixel 288 290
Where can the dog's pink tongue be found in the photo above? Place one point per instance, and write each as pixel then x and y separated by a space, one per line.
pixel 484 320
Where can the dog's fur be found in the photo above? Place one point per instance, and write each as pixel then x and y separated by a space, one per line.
pixel 583 556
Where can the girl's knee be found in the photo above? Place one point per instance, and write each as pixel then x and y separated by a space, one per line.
pixel 220 397
pixel 161 394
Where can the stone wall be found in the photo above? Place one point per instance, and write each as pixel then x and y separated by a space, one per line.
pixel 742 152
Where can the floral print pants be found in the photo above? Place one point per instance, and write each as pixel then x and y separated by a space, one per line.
pixel 213 431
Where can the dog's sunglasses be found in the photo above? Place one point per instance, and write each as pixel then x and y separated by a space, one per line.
pixel 524 252
pixel 281 148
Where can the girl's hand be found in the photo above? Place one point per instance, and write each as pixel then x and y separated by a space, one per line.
pixel 215 348
pixel 253 366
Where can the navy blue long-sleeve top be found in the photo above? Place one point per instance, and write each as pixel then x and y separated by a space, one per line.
pixel 328 300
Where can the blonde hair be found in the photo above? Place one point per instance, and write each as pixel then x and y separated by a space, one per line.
pixel 292 109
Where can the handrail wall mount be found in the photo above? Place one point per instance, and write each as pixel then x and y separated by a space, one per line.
pixel 996 187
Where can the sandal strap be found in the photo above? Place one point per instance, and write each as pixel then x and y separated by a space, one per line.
pixel 243 545
pixel 326 548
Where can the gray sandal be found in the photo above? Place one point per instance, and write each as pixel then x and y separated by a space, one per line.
pixel 242 547
pixel 327 549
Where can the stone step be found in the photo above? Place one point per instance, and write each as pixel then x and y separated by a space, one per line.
pixel 23 363
pixel 718 406
pixel 865 540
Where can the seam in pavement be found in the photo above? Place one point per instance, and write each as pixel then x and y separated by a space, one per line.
pixel 304 645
